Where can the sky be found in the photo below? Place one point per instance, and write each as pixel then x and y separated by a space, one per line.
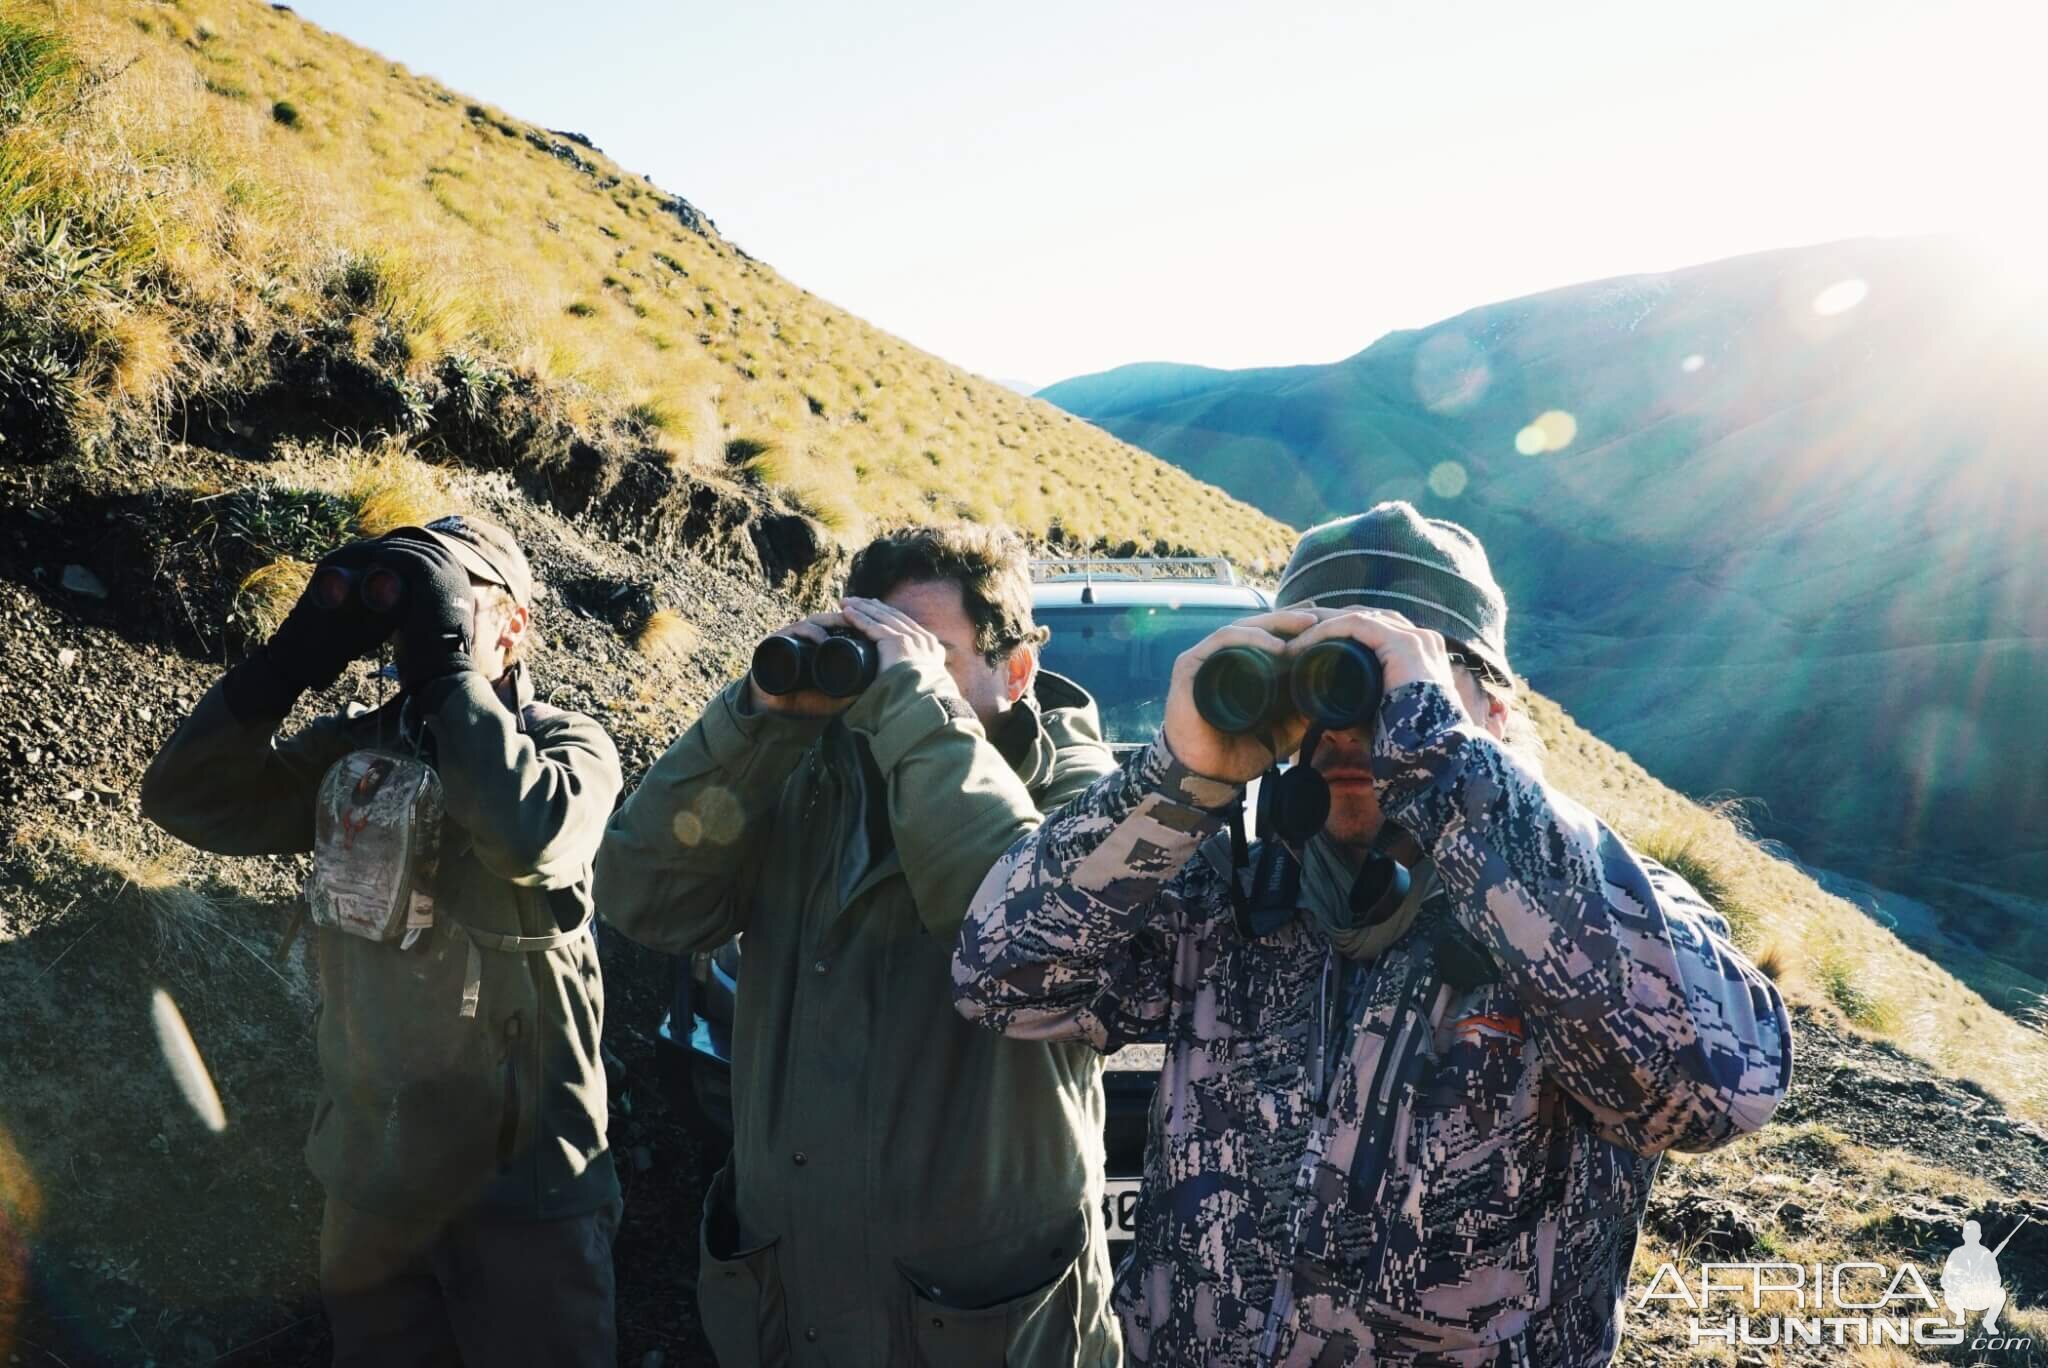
pixel 1044 190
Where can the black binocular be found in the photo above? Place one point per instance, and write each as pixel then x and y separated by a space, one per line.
pixel 378 589
pixel 840 666
pixel 1334 684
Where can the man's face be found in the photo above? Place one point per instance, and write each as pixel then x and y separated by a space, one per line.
pixel 500 625
pixel 939 607
pixel 1345 761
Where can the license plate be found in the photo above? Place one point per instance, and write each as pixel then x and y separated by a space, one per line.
pixel 1120 1207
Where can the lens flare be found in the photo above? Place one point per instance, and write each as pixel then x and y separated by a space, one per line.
pixel 1840 297
pixel 1692 363
pixel 1552 430
pixel 21 1212
pixel 1448 480
pixel 181 1054
pixel 720 814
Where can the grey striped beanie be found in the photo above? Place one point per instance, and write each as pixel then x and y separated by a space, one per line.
pixel 1432 572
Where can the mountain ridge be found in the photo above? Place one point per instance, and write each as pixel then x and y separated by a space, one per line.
pixel 1766 474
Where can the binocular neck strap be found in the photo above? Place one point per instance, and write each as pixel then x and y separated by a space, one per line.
pixel 1240 860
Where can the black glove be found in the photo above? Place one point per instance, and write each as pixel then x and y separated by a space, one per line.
pixel 437 625
pixel 310 648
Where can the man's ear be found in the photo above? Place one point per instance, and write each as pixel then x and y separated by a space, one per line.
pixel 1019 670
pixel 514 629
pixel 1496 719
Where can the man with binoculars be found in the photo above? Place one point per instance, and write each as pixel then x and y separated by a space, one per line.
pixel 903 1188
pixel 460 1131
pixel 1426 1039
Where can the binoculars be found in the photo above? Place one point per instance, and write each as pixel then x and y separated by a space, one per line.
pixel 379 589
pixel 1334 684
pixel 840 666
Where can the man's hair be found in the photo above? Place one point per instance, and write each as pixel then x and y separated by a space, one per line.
pixel 990 564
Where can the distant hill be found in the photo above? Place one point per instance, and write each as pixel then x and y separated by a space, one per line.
pixel 1783 532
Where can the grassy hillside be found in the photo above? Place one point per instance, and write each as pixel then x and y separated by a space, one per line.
pixel 216 217
pixel 1824 952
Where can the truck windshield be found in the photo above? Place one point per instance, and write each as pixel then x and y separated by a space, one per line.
pixel 1124 655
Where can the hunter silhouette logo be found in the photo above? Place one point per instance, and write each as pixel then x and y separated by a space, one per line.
pixel 1970 1281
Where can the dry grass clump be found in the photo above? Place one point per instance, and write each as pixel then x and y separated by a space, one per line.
pixel 123 895
pixel 666 635
pixel 266 594
pixel 390 489
pixel 189 191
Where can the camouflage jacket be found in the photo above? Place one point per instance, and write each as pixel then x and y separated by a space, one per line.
pixel 1440 1158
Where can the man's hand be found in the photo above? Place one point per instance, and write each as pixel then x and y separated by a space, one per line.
pixel 1218 755
pixel 804 702
pixel 1408 654
pixel 314 644
pixel 897 635
pixel 437 625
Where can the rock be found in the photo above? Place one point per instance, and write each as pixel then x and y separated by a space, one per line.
pixel 1936 1223
pixel 1793 1216
pixel 66 658
pixel 80 580
pixel 1713 1225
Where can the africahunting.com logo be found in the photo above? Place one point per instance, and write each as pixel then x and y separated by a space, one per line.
pixel 1847 1304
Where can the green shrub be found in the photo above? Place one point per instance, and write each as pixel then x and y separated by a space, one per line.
pixel 279 523
pixel 33 62
pixel 286 113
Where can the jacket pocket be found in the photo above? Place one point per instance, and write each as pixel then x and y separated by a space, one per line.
pixel 739 1291
pixel 1468 1232
pixel 1036 1329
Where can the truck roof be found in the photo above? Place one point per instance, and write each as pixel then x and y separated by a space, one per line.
pixel 1208 581
pixel 1131 593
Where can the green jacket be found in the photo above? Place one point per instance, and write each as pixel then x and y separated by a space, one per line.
pixel 904 1187
pixel 423 1113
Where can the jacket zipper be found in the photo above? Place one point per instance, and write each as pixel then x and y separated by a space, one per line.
pixel 1376 1097
pixel 1318 1136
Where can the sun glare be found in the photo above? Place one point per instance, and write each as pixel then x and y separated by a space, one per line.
pixel 1840 297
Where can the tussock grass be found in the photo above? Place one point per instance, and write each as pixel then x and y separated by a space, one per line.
pixel 388 489
pixel 128 896
pixel 1826 951
pixel 266 594
pixel 269 180
pixel 666 635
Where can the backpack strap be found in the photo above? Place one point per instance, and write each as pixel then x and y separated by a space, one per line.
pixel 526 945
pixel 480 940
